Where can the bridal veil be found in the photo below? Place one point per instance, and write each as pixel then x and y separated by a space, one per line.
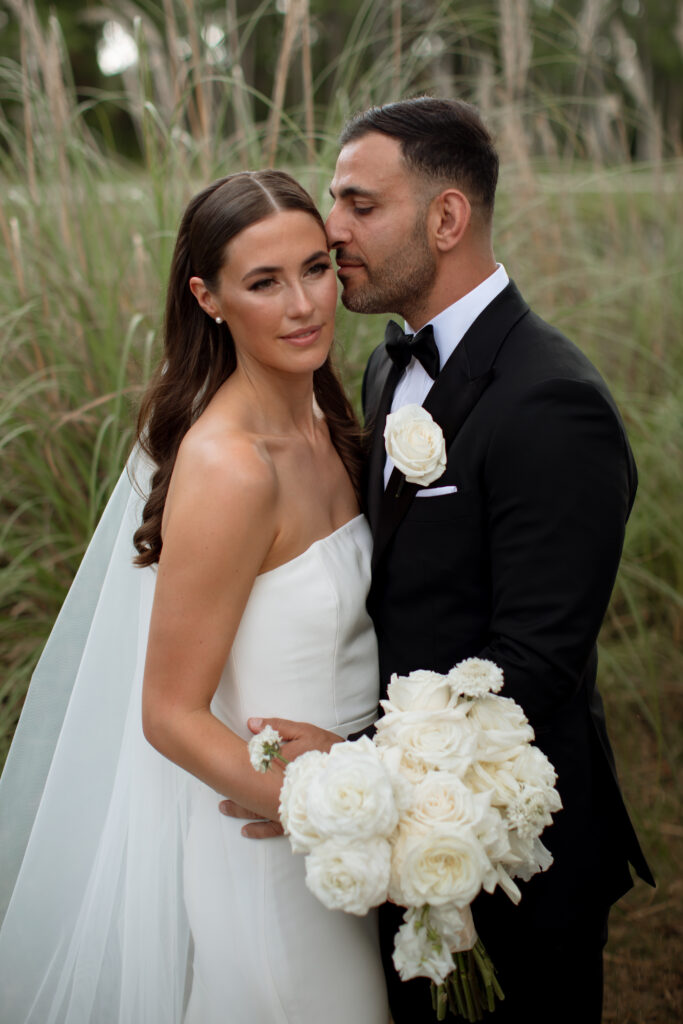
pixel 91 816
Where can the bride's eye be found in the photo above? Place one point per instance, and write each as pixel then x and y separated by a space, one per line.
pixel 262 284
pixel 318 269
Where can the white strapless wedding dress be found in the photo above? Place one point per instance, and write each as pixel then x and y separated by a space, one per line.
pixel 265 950
pixel 106 847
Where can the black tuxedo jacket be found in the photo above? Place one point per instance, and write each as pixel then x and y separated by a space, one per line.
pixel 517 566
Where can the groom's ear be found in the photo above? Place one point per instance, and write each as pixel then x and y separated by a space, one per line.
pixel 449 217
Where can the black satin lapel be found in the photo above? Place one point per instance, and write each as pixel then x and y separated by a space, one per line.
pixel 394 505
pixel 450 402
pixel 391 374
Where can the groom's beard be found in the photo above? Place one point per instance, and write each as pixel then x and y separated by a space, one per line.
pixel 400 283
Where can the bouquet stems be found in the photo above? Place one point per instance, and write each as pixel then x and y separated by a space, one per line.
pixel 470 989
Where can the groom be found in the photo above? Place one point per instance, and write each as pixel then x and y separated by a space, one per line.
pixel 512 553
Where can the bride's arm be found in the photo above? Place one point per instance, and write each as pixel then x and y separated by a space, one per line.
pixel 220 523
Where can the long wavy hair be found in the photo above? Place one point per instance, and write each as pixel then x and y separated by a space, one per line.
pixel 199 354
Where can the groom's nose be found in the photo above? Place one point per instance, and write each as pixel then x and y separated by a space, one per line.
pixel 337 229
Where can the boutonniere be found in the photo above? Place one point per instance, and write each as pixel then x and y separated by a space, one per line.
pixel 415 444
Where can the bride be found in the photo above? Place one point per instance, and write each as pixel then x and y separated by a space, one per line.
pixel 129 898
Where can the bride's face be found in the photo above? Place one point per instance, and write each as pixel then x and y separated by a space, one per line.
pixel 277 293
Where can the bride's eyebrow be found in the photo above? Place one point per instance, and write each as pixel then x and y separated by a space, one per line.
pixel 274 270
pixel 261 270
pixel 316 256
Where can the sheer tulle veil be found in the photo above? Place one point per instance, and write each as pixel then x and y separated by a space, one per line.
pixel 91 816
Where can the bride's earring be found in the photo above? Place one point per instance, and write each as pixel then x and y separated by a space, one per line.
pixel 219 319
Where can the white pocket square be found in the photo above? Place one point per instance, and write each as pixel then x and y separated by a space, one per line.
pixel 434 492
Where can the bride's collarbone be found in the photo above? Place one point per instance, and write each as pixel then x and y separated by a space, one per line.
pixel 313 470
pixel 309 509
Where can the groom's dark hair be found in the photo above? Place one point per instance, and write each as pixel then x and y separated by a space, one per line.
pixel 441 139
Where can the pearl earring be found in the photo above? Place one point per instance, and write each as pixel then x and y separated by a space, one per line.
pixel 219 319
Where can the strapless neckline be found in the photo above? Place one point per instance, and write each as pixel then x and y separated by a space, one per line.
pixel 311 547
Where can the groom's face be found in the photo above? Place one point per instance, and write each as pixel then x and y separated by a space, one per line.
pixel 378 227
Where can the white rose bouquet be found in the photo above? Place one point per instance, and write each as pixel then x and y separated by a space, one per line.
pixel 450 798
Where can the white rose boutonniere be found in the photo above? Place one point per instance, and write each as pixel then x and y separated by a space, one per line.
pixel 415 444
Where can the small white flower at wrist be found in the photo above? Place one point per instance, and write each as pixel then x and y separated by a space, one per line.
pixel 264 747
pixel 415 444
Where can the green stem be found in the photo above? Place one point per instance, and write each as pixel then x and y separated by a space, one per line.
pixel 464 982
pixel 452 1003
pixel 475 983
pixel 457 993
pixel 441 1002
pixel 488 973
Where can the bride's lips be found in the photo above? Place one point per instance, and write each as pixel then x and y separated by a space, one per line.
pixel 304 335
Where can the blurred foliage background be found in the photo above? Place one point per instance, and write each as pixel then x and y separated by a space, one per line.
pixel 112 117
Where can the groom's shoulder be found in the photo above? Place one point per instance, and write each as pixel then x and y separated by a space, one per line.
pixel 540 362
pixel 538 350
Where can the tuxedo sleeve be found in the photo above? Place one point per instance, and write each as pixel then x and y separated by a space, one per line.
pixel 560 481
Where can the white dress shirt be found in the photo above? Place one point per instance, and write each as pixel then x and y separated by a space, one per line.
pixel 450 327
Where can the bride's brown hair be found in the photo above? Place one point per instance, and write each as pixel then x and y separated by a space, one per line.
pixel 199 354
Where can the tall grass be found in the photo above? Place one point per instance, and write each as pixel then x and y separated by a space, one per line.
pixel 587 234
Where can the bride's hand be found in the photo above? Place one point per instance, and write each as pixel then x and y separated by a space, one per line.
pixel 298 737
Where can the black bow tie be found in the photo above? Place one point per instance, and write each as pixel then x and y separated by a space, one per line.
pixel 402 347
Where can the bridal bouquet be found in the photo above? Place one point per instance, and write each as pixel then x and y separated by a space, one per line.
pixel 449 798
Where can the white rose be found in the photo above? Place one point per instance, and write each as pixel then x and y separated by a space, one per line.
pixel 420 952
pixel 441 798
pixel 352 795
pixel 446 865
pixel 293 798
pixel 501 726
pixel 349 876
pixel 419 691
pixel 415 444
pixel 475 677
pixel 532 767
pixel 496 779
pixel 429 740
pixel 403 787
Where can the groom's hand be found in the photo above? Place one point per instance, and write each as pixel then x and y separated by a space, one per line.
pixel 257 827
pixel 298 737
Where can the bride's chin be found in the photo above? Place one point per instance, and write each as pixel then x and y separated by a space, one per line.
pixel 310 359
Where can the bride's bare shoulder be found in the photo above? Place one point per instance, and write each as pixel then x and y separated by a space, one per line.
pixel 225 473
pixel 225 453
